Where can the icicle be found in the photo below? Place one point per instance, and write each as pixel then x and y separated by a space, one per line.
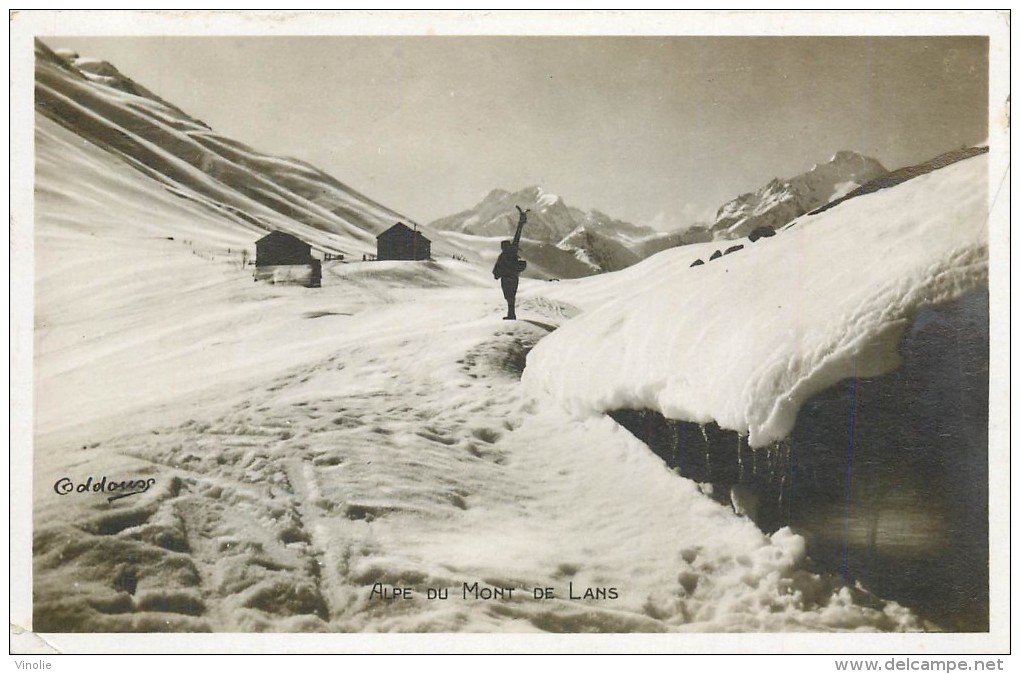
pixel 740 457
pixel 782 491
pixel 777 460
pixel 754 461
pixel 783 456
pixel 708 451
pixel 674 436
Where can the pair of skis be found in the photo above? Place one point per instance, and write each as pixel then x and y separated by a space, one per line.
pixel 515 244
pixel 520 225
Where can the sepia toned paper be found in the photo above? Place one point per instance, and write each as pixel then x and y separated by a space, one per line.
pixel 752 400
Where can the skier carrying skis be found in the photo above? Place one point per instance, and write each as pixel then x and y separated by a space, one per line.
pixel 509 267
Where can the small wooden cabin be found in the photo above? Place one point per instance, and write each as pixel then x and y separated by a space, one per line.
pixel 284 258
pixel 281 248
pixel 400 242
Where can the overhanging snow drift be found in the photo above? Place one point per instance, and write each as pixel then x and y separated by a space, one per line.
pixel 747 340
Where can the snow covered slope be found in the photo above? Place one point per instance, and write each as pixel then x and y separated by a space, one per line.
pixel 696 233
pixel 601 250
pixel 190 160
pixel 123 269
pixel 744 340
pixel 780 201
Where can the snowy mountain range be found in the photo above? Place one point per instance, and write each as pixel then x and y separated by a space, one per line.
pixel 258 191
pixel 600 242
pixel 697 233
pixel 606 244
pixel 780 201
pixel 243 193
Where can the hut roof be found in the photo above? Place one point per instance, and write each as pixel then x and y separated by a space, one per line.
pixel 400 228
pixel 277 235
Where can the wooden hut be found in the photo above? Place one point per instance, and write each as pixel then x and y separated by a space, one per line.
pixel 279 248
pixel 400 242
pixel 284 258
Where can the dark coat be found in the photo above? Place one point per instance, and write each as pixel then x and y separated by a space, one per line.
pixel 508 265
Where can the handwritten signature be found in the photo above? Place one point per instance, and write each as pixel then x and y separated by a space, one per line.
pixel 117 489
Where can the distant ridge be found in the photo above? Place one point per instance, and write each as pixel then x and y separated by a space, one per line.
pixel 907 173
pixel 264 192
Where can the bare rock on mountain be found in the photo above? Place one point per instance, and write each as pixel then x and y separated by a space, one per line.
pixel 781 201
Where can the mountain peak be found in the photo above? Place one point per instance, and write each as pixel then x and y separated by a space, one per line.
pixel 101 72
pixel 600 241
pixel 96 71
pixel 545 200
pixel 780 201
pixel 536 195
pixel 848 155
pixel 495 195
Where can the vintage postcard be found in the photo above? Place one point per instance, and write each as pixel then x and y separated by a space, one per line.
pixel 532 332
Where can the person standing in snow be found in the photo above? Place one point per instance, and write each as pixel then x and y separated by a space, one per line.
pixel 509 267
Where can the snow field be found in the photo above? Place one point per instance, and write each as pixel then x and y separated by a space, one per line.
pixel 418 467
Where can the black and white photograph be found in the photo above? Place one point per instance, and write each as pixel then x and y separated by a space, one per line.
pixel 612 324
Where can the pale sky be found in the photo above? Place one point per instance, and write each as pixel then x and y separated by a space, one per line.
pixel 653 130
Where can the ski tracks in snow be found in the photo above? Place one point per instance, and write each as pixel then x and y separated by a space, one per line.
pixel 282 512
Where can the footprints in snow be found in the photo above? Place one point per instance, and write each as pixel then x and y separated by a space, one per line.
pixel 229 538
pixel 504 355
pixel 486 435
